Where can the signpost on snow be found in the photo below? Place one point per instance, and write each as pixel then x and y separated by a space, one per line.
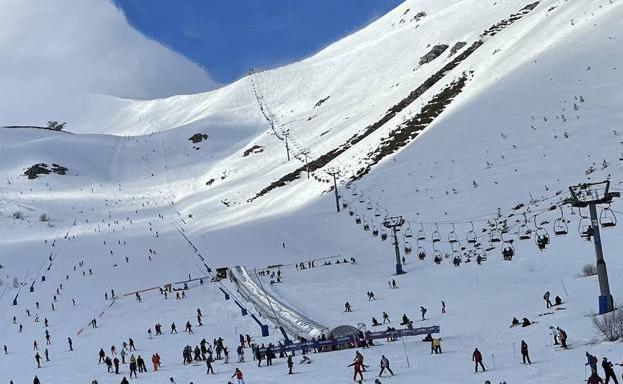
pixel 590 195
pixel 395 223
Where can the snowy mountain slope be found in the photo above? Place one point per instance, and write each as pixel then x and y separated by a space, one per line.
pixel 538 109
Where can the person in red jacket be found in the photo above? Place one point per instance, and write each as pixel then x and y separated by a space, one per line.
pixel 238 375
pixel 357 369
pixel 477 359
pixel 155 361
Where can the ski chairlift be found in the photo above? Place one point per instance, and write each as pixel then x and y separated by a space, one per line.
pixel 366 226
pixel 481 255
pixel 361 198
pixel 584 227
pixel 408 232
pixel 457 258
pixel 452 237
pixel 495 236
pixel 542 237
pixel 375 232
pixel 408 248
pixel 344 204
pixel 377 211
pixel 524 232
pixel 471 235
pixel 354 192
pixel 358 219
pixel 351 212
pixel 369 206
pixel 421 235
pixel 560 224
pixel 508 250
pixel 383 234
pixel 421 252
pixel 437 258
pixel 436 237
pixel 607 218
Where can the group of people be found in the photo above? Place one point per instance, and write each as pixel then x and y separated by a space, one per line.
pixel 606 365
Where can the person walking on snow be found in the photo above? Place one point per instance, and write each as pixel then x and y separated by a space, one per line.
pixel 591 360
pixel 477 359
pixel 384 366
pixel 524 353
pixel 609 371
pixel 290 364
pixel 546 296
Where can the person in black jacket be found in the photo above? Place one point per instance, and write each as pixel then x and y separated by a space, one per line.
pixel 609 371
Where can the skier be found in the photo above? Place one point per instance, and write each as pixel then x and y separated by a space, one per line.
pixel 155 361
pixel 357 366
pixel 240 351
pixel 477 359
pixel 116 364
pixel 238 375
pixel 524 352
pixel 423 311
pixel 34 381
pixel 435 346
pixel 173 328
pixel 133 366
pixel 38 359
pixel 124 381
pixel 102 355
pixel 546 296
pixel 71 347
pixel 122 354
pixel 189 327
pixel 609 371
pixel 258 356
pixel 443 307
pixel 385 365
pixel 347 307
pixel 131 344
pixel 209 361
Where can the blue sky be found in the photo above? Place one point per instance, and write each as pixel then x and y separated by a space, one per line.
pixel 226 37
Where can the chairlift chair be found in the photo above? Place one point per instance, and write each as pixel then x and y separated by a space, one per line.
pixel 607 218
pixel 421 235
pixel 421 252
pixel 366 225
pixel 436 237
pixel 495 236
pixel 383 234
pixel 408 248
pixel 344 204
pixel 375 231
pixel 358 219
pixel 369 206
pixel 361 198
pixel 542 237
pixel 437 257
pixel 408 232
pixel 377 211
pixel 471 235
pixel 584 227
pixel 560 225
pixel 524 232
pixel 452 237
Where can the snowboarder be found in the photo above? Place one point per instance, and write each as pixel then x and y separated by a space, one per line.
pixel 477 359
pixel 384 366
pixel 524 353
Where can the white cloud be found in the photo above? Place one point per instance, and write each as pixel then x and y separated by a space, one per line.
pixel 54 51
